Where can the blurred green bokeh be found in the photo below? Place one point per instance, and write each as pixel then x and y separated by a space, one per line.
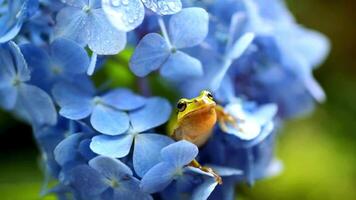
pixel 319 151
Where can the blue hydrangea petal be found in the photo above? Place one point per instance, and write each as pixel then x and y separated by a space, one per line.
pixel 123 99
pixel 87 181
pixel 8 33
pixel 147 151
pixel 265 113
pixel 188 27
pixel 158 177
pixel 84 149
pixel 69 56
pixel 151 52
pixel 226 171
pixel 38 62
pixel 11 21
pixel 203 191
pixel 104 39
pixel 7 70
pixel 164 7
pixel 240 46
pixel 181 66
pixel 76 3
pixel 130 190
pixel 250 126
pixel 180 153
pixel 66 150
pixel 156 112
pixel 8 97
pixel 124 15
pixel 72 24
pixel 109 121
pixel 37 105
pixel 75 103
pixel 110 167
pixel 198 171
pixel 112 146
pixel 23 73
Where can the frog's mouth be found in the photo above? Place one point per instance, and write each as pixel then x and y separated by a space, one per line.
pixel 201 107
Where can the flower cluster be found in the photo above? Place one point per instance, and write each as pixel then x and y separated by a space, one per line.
pixel 100 141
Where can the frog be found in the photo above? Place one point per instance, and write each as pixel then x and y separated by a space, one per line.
pixel 195 121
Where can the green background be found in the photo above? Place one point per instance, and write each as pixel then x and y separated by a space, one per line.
pixel 318 151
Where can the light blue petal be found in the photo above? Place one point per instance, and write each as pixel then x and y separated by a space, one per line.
pixel 87 181
pixel 22 70
pixel 188 27
pixel 156 112
pixel 76 3
pixel 92 64
pixel 109 121
pixel 110 167
pixel 147 151
pixel 249 127
pixel 66 150
pixel 151 52
pixel 265 113
pixel 313 46
pixel 8 97
pixel 7 70
pixel 69 56
pixel 112 146
pixel 180 153
pixel 11 32
pixel 37 104
pixel 164 7
pixel 124 15
pixel 75 103
pixel 181 66
pixel 104 39
pixel 226 171
pixel 158 177
pixel 123 99
pixel 72 24
pixel 240 46
pixel 198 171
pixel 203 191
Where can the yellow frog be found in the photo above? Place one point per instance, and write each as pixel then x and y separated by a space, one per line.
pixel 196 119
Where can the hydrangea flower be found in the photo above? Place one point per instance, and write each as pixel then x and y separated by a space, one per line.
pixel 251 145
pixel 106 178
pixel 127 15
pixel 85 22
pixel 12 16
pixel 31 103
pixel 64 61
pixel 173 168
pixel 147 144
pixel 111 143
pixel 107 112
pixel 186 29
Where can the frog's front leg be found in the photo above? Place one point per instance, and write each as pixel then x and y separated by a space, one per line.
pixel 225 118
pixel 209 170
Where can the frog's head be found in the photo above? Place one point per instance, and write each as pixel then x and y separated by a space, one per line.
pixel 188 106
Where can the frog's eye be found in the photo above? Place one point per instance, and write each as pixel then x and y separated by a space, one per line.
pixel 209 95
pixel 181 106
